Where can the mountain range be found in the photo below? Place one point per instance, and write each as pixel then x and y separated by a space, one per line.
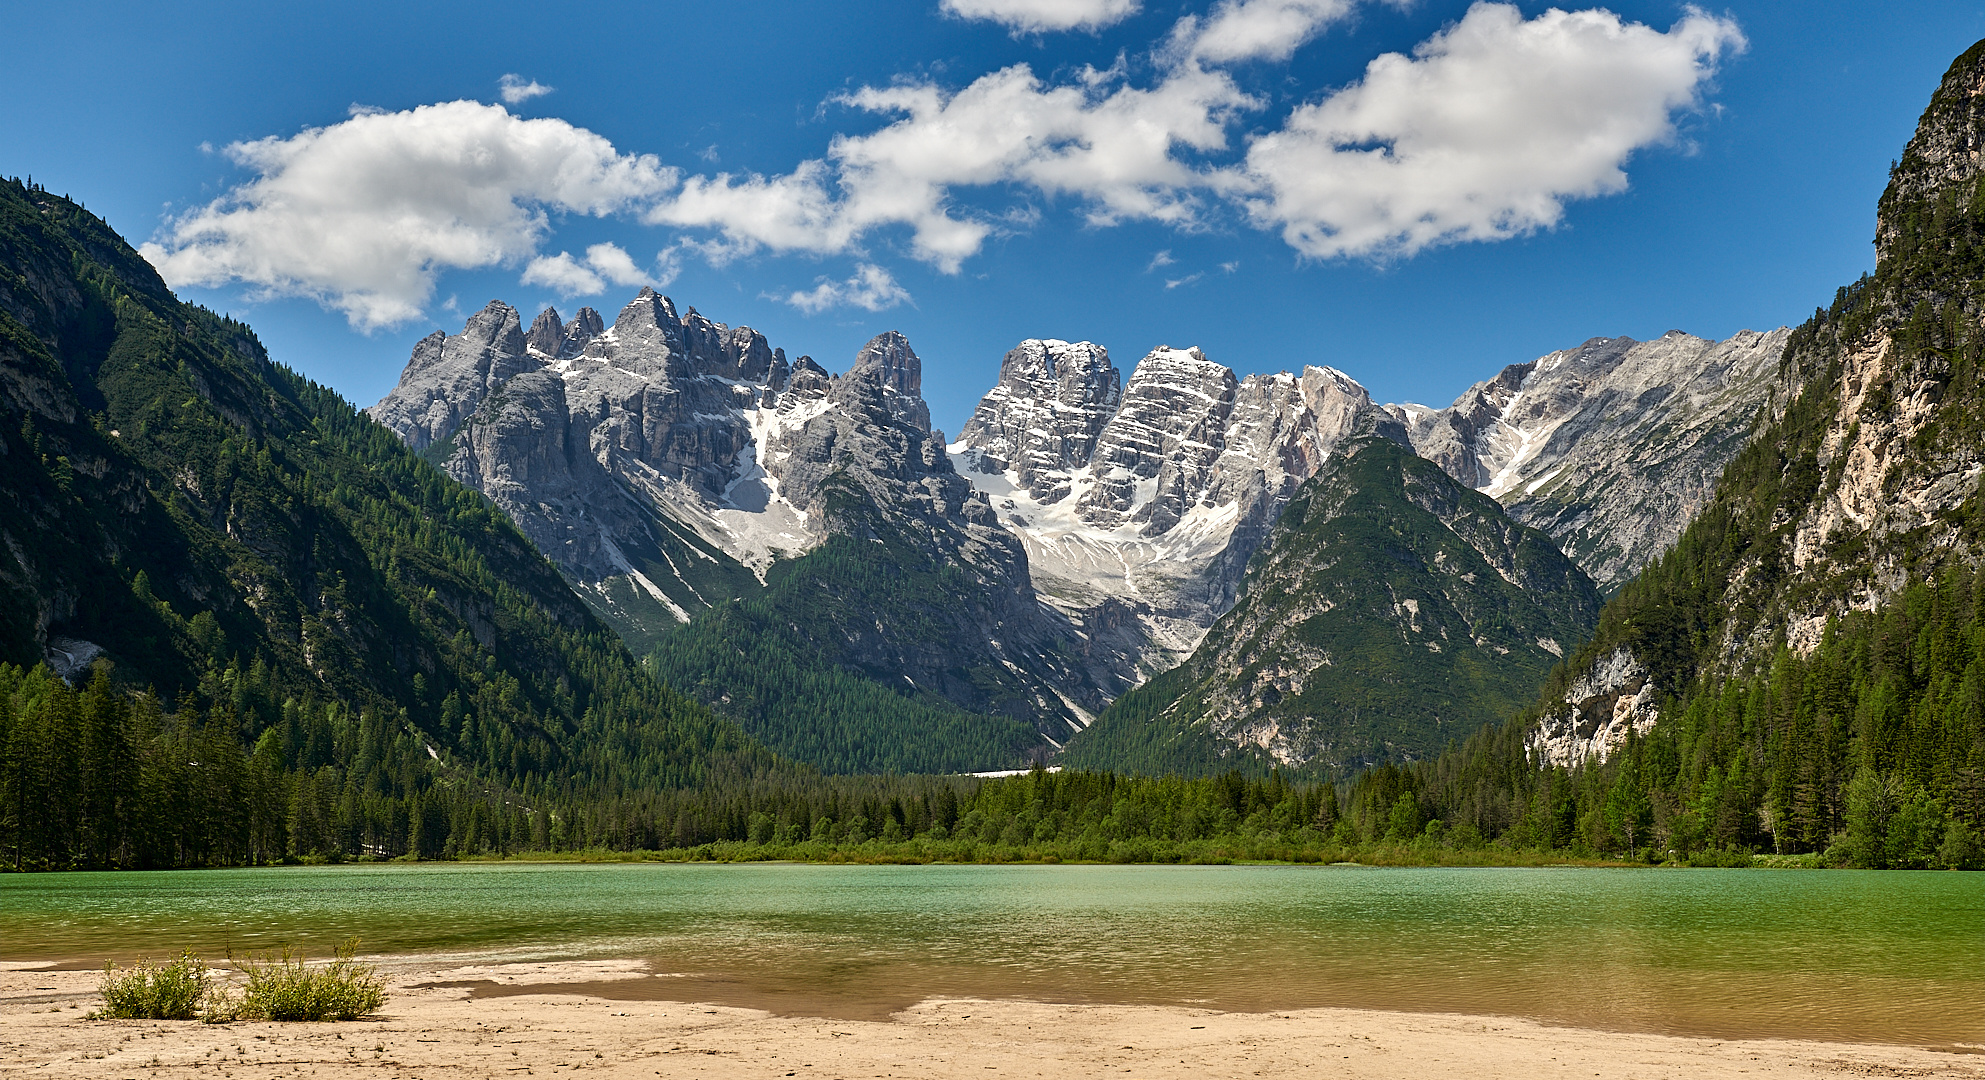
pixel 694 485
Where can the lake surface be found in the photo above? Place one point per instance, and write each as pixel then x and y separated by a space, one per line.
pixel 1853 955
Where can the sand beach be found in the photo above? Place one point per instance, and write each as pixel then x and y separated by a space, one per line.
pixel 613 1019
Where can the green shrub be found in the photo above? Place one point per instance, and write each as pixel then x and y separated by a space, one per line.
pixel 170 991
pixel 289 989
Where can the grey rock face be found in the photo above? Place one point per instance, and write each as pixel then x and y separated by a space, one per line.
pixel 873 430
pixel 1140 507
pixel 1610 448
pixel 1169 428
pixel 599 442
pixel 641 455
pixel 1043 419
pixel 555 340
pixel 448 376
pixel 658 411
pixel 1605 704
pixel 522 450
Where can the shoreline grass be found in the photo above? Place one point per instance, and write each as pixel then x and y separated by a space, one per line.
pixel 285 988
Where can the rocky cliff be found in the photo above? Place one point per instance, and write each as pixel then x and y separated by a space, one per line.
pixel 613 448
pixel 1612 447
pixel 1392 609
pixel 1140 504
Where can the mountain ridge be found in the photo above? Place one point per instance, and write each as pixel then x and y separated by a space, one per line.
pixel 1391 610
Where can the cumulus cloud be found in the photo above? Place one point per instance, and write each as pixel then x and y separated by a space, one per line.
pixel 572 277
pixel 872 289
pixel 1483 133
pixel 515 89
pixel 1163 258
pixel 1237 30
pixel 1038 16
pixel 362 215
pixel 1111 147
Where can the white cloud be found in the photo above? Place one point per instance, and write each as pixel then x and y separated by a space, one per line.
pixel 1483 133
pixel 362 215
pixel 1163 258
pixel 1237 30
pixel 564 275
pixel 872 289
pixel 516 90
pixel 616 265
pixel 1037 16
pixel 1112 149
pixel 603 263
pixel 1173 283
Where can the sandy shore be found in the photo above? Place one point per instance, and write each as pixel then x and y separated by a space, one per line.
pixel 542 1020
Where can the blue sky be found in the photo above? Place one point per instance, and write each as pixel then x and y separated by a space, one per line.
pixel 1195 173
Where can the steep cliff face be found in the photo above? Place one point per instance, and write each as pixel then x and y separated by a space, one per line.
pixel 1042 420
pixel 1140 507
pixel 1391 610
pixel 448 376
pixel 1612 447
pixel 1865 477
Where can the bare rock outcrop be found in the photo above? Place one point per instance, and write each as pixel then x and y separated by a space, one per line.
pixel 1139 506
pixel 1612 447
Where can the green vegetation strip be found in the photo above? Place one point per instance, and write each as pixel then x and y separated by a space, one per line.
pixel 284 988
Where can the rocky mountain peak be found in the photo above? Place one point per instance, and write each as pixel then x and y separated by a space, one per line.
pixel 447 376
pixel 584 327
pixel 1043 419
pixel 1141 502
pixel 557 340
pixel 547 332
pixel 808 380
pixel 741 354
pixel 1947 150
pixel 1172 418
pixel 888 364
pixel 647 326
pixel 496 327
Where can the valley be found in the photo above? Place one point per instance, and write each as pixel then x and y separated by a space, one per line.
pixel 647 583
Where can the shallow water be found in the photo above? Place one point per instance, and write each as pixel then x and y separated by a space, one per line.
pixel 1865 956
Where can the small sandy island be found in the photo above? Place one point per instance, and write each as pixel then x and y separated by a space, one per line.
pixel 614 1019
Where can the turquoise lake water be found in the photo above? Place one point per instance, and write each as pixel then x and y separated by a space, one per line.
pixel 1878 955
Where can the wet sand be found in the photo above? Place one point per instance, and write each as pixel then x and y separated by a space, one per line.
pixel 611 1018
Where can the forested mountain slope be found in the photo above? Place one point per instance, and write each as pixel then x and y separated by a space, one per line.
pixel 187 516
pixel 1805 670
pixel 1391 610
